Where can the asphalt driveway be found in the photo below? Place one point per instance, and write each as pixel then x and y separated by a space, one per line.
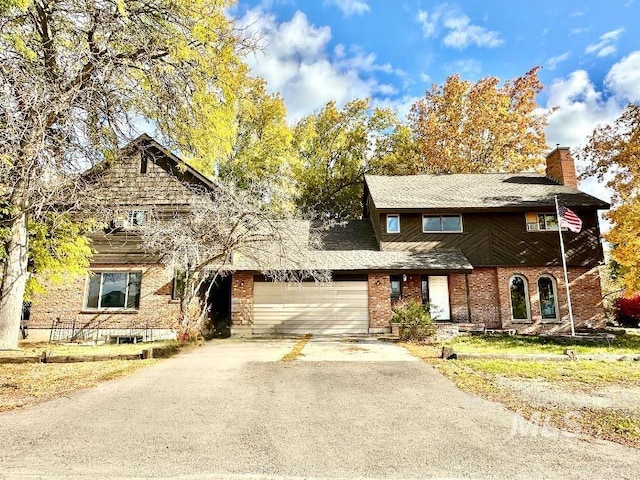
pixel 231 410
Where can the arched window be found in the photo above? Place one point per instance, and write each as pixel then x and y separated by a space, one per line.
pixel 548 297
pixel 519 298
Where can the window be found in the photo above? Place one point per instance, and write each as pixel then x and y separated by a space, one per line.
pixel 396 286
pixel 136 218
pixel 393 223
pixel 106 290
pixel 548 298
pixel 441 223
pixel 178 285
pixel 542 222
pixel 519 298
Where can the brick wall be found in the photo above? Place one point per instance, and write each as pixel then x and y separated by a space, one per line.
pixel 242 298
pixel 66 301
pixel 412 287
pixel 379 300
pixel 484 300
pixel 586 298
pixel 458 298
pixel 561 168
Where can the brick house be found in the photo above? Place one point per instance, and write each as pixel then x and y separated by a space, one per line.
pixel 482 248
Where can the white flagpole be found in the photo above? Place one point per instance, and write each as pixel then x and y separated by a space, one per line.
pixel 564 267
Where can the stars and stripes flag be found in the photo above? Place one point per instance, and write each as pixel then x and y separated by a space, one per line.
pixel 569 219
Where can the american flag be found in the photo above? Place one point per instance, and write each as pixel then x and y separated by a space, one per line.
pixel 569 219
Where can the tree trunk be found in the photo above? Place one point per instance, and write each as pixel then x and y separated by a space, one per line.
pixel 13 283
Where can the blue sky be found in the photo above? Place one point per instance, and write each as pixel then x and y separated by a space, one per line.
pixel 314 51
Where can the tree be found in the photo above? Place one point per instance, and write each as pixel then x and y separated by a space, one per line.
pixel 613 155
pixel 465 127
pixel 334 148
pixel 263 148
pixel 75 75
pixel 219 230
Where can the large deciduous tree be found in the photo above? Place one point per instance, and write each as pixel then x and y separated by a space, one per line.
pixel 466 127
pixel 613 155
pixel 74 75
pixel 221 229
pixel 334 148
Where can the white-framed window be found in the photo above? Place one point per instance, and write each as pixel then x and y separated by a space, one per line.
pixel 393 223
pixel 519 295
pixel 542 222
pixel 547 293
pixel 136 218
pixel 441 223
pixel 113 290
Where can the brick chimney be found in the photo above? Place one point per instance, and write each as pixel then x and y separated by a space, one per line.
pixel 560 167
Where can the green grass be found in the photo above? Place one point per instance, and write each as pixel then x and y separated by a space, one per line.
pixel 622 345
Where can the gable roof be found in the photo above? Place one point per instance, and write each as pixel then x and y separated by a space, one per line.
pixel 161 157
pixel 470 191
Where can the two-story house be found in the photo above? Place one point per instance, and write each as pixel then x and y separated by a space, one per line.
pixel 482 249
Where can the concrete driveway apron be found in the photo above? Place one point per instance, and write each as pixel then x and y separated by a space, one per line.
pixel 232 410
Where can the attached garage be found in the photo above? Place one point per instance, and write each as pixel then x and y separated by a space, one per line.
pixel 339 307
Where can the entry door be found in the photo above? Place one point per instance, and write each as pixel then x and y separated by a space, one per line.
pixel 439 297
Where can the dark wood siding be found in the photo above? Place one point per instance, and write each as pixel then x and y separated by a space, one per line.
pixel 500 239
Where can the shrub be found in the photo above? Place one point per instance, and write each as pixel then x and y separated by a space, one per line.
pixel 628 311
pixel 415 321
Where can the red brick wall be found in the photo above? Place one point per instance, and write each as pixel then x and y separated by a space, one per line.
pixel 586 298
pixel 242 298
pixel 379 300
pixel 66 301
pixel 411 287
pixel 561 168
pixel 484 297
pixel 458 298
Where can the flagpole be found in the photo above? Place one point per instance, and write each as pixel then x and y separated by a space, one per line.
pixel 564 267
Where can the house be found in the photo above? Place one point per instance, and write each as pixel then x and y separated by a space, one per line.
pixel 130 294
pixel 482 249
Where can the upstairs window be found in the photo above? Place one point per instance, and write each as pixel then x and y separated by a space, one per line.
pixel 393 223
pixel 542 222
pixel 137 218
pixel 113 290
pixel 441 223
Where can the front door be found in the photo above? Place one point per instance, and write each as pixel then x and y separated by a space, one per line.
pixel 435 291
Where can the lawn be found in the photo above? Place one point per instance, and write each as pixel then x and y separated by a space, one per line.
pixel 30 349
pixel 602 397
pixel 623 344
pixel 30 383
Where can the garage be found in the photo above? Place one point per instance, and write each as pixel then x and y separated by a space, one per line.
pixel 340 307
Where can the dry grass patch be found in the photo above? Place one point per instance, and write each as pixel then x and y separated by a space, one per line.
pixel 26 384
pixel 29 349
pixel 556 386
pixel 297 349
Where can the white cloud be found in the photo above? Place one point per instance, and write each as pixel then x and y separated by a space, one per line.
pixel 350 7
pixel 459 31
pixel 582 107
pixel 623 80
pixel 606 45
pixel 553 62
pixel 470 66
pixel 295 59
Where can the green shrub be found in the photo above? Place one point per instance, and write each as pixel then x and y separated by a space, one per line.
pixel 415 321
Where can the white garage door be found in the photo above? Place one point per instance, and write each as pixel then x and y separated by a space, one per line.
pixel 299 308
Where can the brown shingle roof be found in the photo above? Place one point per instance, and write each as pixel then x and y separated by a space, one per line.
pixel 473 191
pixel 352 246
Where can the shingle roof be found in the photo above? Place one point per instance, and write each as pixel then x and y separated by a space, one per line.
pixel 352 246
pixel 474 191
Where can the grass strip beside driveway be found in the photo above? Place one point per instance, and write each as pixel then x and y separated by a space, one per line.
pixel 297 349
pixel 601 398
